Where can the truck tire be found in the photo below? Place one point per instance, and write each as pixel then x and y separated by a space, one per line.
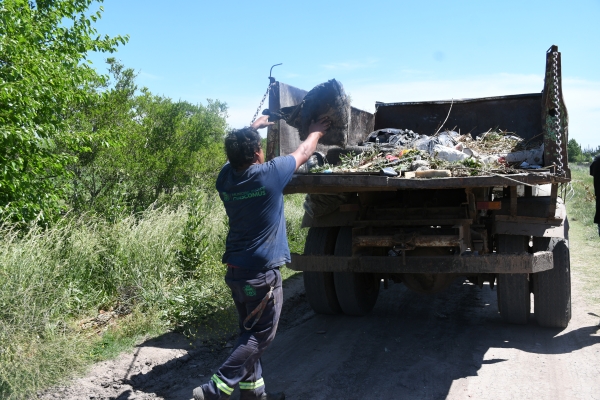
pixel 552 288
pixel 356 292
pixel 514 301
pixel 319 286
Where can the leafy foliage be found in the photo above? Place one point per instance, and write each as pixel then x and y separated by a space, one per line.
pixel 43 80
pixel 172 146
pixel 143 146
pixel 143 238
pixel 577 154
pixel 573 150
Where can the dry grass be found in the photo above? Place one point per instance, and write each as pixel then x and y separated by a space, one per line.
pixel 584 240
pixel 52 280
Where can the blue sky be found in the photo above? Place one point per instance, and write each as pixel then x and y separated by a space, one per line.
pixel 380 51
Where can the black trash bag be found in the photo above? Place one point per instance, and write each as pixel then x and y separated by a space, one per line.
pixel 397 137
pixel 327 99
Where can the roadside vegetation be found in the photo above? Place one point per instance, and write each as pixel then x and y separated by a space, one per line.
pixel 111 228
pixel 581 155
pixel 582 205
pixel 87 288
pixel 584 239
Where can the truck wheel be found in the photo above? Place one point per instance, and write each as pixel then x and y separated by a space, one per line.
pixel 319 286
pixel 514 302
pixel 552 288
pixel 356 292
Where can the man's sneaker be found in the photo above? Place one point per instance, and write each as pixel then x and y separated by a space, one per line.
pixel 272 396
pixel 198 393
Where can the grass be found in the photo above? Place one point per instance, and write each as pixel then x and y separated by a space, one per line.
pixel 584 240
pixel 581 206
pixel 152 273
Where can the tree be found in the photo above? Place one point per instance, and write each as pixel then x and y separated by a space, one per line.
pixel 104 121
pixel 573 151
pixel 142 146
pixel 174 143
pixel 44 79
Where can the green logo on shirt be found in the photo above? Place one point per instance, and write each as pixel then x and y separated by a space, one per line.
pixel 249 290
pixel 244 195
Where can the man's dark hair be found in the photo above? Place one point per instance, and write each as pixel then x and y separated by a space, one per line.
pixel 240 146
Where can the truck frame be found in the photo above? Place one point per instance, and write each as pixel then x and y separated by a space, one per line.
pixel 509 231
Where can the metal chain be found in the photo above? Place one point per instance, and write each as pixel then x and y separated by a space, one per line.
pixel 262 102
pixel 556 103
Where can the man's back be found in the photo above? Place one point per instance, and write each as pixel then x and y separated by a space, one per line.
pixel 253 200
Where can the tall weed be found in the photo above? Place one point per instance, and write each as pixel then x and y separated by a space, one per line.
pixel 293 218
pixel 156 271
pixel 581 204
pixel 51 279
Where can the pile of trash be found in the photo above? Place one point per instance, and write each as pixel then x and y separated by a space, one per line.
pixel 393 152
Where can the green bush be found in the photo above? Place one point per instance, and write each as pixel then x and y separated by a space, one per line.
pixel 44 78
pixel 141 147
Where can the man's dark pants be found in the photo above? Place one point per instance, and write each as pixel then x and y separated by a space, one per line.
pixel 248 289
pixel 595 172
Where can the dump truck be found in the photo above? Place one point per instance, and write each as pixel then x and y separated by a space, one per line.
pixel 509 232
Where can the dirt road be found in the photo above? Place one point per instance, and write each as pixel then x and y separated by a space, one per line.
pixel 452 345
pixel 449 346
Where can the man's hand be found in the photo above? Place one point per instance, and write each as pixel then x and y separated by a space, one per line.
pixel 261 122
pixel 320 126
pixel 316 130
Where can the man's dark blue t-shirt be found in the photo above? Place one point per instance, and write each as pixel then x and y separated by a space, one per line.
pixel 253 200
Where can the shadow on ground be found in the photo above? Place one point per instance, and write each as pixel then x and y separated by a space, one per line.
pixel 410 347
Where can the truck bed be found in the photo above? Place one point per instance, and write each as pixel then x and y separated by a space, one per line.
pixel 533 117
pixel 353 182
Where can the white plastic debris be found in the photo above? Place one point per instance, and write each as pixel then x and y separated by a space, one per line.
pixel 446 140
pixel 512 137
pixel 470 152
pixel 526 165
pixel 448 153
pixel 424 143
pixel 489 160
pixel 531 157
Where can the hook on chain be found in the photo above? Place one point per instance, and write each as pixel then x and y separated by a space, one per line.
pixel 271 84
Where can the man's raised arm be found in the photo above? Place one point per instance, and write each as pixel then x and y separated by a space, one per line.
pixel 316 130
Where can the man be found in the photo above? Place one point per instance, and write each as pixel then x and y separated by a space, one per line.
pixel 252 192
pixel 595 172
